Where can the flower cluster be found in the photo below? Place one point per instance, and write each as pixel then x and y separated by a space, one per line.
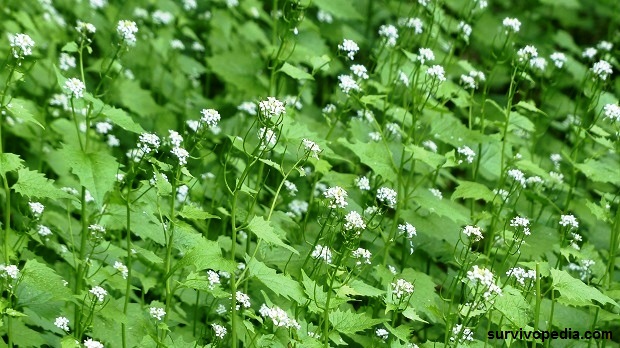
pixel 569 220
pixel 602 69
pixel 10 271
pixel 484 277
pixel 387 196
pixel 349 47
pixel 157 313
pixel 220 331
pixel 401 288
pixel 267 138
pixel 612 112
pixel 511 25
pixel 21 45
pixel 127 30
pixel 322 252
pixel 362 255
pixel 389 34
pixel 278 316
pixel 119 266
pixel 242 299
pixel 99 292
pixel 62 323
pixel 473 232
pixel 311 147
pixel 354 221
pixel 408 230
pixel 467 152
pixel 521 222
pixel 90 343
pixel 521 274
pixel 271 108
pixel 461 337
pixel 337 196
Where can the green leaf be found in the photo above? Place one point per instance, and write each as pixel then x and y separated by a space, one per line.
pixel 514 307
pixel 280 284
pixel 376 156
pixel 137 99
pixel 24 110
pixel 9 162
pixel 340 9
pixel 530 107
pixel 40 285
pixel 13 313
pixel 402 332
pixel 205 255
pixel 95 170
pixel 263 230
pixel 34 184
pixel 432 159
pixel 575 293
pixel 318 296
pixel 120 118
pixel 70 47
pixel 605 170
pixel 347 322
pixel 195 213
pixel 239 68
pixel 468 189
pixel 295 72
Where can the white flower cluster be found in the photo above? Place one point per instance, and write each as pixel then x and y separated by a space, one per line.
pixel 349 47
pixel 466 336
pixel 290 187
pixel 612 112
pixel 271 108
pixel 127 30
pixel 90 343
pixel 43 230
pixel 362 255
pixel 66 61
pixel 436 72
pixel 465 30
pixel 210 117
pixel 85 28
pixel 322 252
pixel 425 54
pixel 435 192
pixel 602 69
pixel 10 271
pixel 473 232
pixel 99 292
pixel 213 278
pixel 485 277
pixel 511 25
pixel 408 230
pixel 521 222
pixel 526 53
pixel 390 34
pixel 96 230
pixel 220 331
pixel 278 316
pixel 180 153
pixel 75 87
pixel 360 71
pixel 517 176
pixel 583 268
pixel 337 196
pixel 311 147
pixel 467 152
pixel 21 44
pixel 347 84
pixel 242 299
pixel 36 208
pixel 382 333
pixel 569 220
pixel 558 59
pixel 267 138
pixel 157 313
pixel 401 288
pixel 362 183
pixel 354 221
pixel 471 81
pixel 62 323
pixel 148 142
pixel 119 266
pixel 324 17
pixel 162 17
pixel 387 196
pixel 413 23
pixel 521 274
pixel 297 207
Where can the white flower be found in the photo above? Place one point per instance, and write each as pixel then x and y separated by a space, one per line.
pixel 361 253
pixel 415 23
pixel 389 33
pixel 466 335
pixel 75 86
pixel 22 45
pixel 242 299
pixel 62 323
pixel 95 229
pixel 347 83
pixel 403 78
pixel 526 53
pixel 354 221
pixel 119 266
pixel 382 333
pixel 324 17
pixel 248 107
pixel 359 71
pixel 157 312
pixel 329 108
pixel 36 208
pixel 85 28
pixel 322 252
pixel 278 316
pixel 232 3
pixel 402 287
pixel 521 222
pixel 521 274
pixel 375 136
pixel 162 17
pixel 177 44
pixel 425 54
pixel 148 142
pixel 366 115
pixel 589 53
pixel 66 61
pixel 539 63
pixel 127 30
pixel 486 278
pixel 435 192
pixel 90 343
pixel 220 331
pixel 429 144
pixel 482 4
pixel 43 231
pixel 272 107
pixel 103 127
pixel 290 187
pixel 557 177
pixel 467 152
pixel 213 279
pixel 97 4
pixel 298 207
pixel 99 293
pixel 464 29
pixel 569 220
pixel 387 196
pixel 602 69
pixel 407 229
pixel 267 138
pixel 612 112
pixel 511 24
pixel 349 47
pixel 337 196
pixel 189 5
pixel 436 72
pixel 311 147
pixel 605 46
pixel 558 59
pixel 11 271
pixel 468 82
pixel 473 232
pixel 517 176
pixel 181 155
pixel 362 183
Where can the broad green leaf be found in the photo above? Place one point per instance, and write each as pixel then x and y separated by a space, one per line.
pixel 24 110
pixel 120 118
pixel 265 231
pixel 570 4
pixel 95 170
pixel 239 68
pixel 411 314
pixel 340 9
pixel 70 47
pixel 469 189
pixel 374 155
pixel 360 288
pixel 40 285
pixel 195 213
pixel 295 72
pixel 318 296
pixel 530 107
pixel 279 283
pixel 34 184
pixel 348 322
pixel 574 292
pixel 514 307
pixel 9 162
pixel 430 158
pixel 402 332
pixel 205 255
pixel 137 99
pixel 605 170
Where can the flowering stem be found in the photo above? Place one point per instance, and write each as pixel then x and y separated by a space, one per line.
pixel 328 299
pixel 129 261
pixel 79 281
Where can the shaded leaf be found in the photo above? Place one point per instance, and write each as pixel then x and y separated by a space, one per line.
pixel 263 230
pixel 468 189
pixel 295 72
pixel 347 322
pixel 34 184
pixel 280 284
pixel 575 292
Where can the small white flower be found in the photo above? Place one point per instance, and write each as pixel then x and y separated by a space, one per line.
pixel 311 147
pixel 363 254
pixel 99 292
pixel 473 232
pixel 436 72
pixel 242 299
pixel 162 17
pixel 521 222
pixel 468 153
pixel 127 30
pixel 96 230
pixel 220 331
pixel 557 177
pixel 189 5
pixel 539 63
pixel 349 47
pixel 469 82
pixel 359 71
pixel 97 4
pixel 387 196
pixel 466 335
pixel 612 112
pixel 408 230
pixel 181 154
pixel 11 271
pixel 85 28
pixel 362 183
pixel 43 231
pixel 558 59
pixel 66 61
pixel 403 78
pixel 602 69
pixel 324 17
pixel 75 86
pixel 322 252
pixel 375 136
pixel 464 29
pixel 521 274
pixel 278 316
pixel 329 108
pixel 589 53
pixel 425 54
pixel 511 25
pixel 271 107
pixel 526 53
pixel 354 221
pixel 267 138
pixel 21 44
pixel 290 187
pixel 569 220
pixel 435 192
pixel 157 313
pixel 36 208
pixel 210 117
pixel 430 145
pixel 389 33
pixel 90 343
pixel 298 207
pixel 213 279
pixel 177 44
pixel 382 333
pixel 605 46
pixel 414 23
pixel 124 271
pixel 62 323
pixel 337 196
pixel 401 288
pixel 148 142
pixel 347 83
pixel 517 176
